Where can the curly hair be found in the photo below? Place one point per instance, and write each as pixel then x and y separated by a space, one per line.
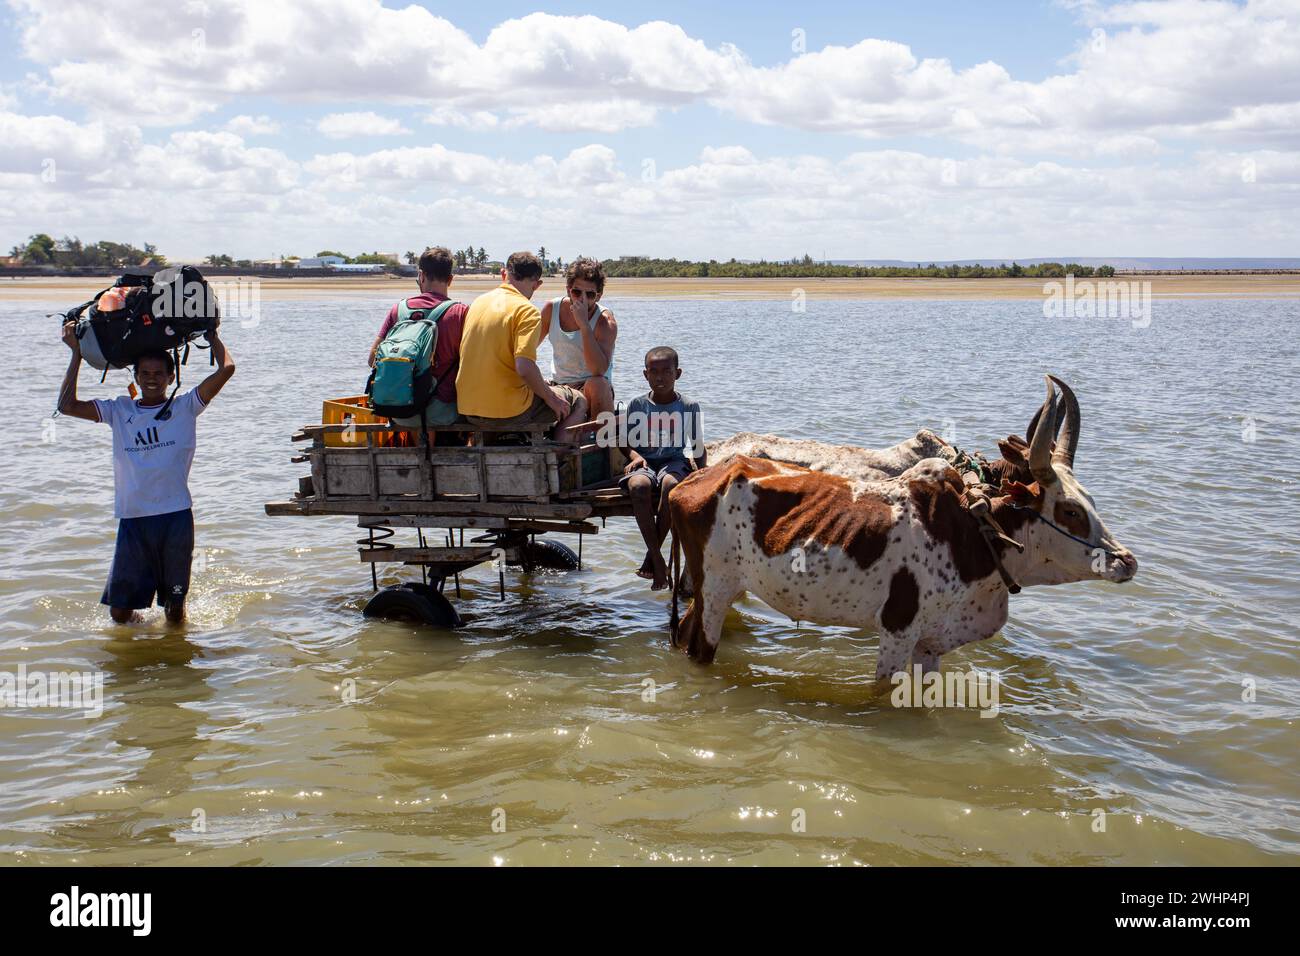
pixel 587 269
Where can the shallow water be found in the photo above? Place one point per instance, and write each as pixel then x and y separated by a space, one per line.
pixel 1123 698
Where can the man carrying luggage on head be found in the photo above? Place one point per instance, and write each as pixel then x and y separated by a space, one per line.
pixel 151 468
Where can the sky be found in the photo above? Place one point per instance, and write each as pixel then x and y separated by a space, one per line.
pixel 911 131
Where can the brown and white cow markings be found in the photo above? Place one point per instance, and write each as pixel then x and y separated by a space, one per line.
pixel 742 521
pixel 791 509
pixel 903 602
pixel 900 554
pixel 938 506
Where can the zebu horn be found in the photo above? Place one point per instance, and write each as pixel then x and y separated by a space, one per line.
pixel 1033 422
pixel 1040 446
pixel 1033 425
pixel 1068 441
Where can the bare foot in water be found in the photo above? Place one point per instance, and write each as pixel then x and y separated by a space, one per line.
pixel 660 580
pixel 647 568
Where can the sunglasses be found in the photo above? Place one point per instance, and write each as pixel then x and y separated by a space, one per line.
pixel 580 294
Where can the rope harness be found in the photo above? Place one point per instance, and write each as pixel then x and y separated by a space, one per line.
pixel 976 474
pixel 978 497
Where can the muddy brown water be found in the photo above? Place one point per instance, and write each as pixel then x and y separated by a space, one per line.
pixel 230 741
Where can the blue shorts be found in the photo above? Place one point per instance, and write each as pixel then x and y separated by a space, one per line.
pixel 679 468
pixel 152 560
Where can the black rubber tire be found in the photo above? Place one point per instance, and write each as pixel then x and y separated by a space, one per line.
pixel 413 601
pixel 550 554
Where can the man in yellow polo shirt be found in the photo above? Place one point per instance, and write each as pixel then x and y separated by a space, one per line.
pixel 499 382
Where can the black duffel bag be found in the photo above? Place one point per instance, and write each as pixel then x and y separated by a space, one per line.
pixel 140 313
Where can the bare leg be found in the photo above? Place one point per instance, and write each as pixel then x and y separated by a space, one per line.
pixel 123 615
pixel 577 415
pixel 662 526
pixel 599 394
pixel 175 611
pixel 641 490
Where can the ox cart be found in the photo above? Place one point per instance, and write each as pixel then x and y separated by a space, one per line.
pixel 508 487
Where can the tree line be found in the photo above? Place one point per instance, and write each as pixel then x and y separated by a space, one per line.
pixel 44 250
pixel 644 267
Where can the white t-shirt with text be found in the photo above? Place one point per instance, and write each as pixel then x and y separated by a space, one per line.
pixel 151 458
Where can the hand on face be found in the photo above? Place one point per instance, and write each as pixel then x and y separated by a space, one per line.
pixel 580 311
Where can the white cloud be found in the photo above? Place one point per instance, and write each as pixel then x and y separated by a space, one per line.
pixel 599 116
pixel 85 149
pixel 727 155
pixel 1178 69
pixel 214 162
pixel 1175 128
pixel 475 120
pixel 245 125
pixel 346 125
pixel 888 203
pixel 437 168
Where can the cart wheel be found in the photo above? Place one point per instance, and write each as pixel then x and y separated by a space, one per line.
pixel 413 601
pixel 549 554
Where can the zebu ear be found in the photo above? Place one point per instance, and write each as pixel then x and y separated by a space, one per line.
pixel 1022 494
pixel 1014 450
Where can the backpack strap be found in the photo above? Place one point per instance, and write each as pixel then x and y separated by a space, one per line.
pixel 165 412
pixel 405 312
pixel 443 308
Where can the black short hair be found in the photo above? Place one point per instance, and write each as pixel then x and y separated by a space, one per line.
pixel 160 355
pixel 662 352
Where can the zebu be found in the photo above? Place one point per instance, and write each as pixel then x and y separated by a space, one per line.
pixel 902 555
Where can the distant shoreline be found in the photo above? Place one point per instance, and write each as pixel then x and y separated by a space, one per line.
pixel 74 289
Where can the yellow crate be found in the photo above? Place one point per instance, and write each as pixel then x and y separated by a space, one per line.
pixel 338 411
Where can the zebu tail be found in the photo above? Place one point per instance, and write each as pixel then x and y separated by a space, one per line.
pixel 675 581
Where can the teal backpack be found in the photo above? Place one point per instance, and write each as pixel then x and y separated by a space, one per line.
pixel 402 381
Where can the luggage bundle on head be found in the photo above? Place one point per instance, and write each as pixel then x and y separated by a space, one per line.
pixel 141 313
pixel 402 382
